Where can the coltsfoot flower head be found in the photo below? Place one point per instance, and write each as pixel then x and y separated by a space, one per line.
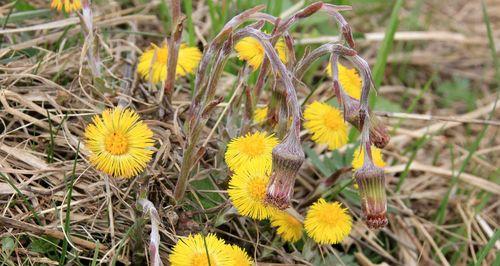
pixel 120 143
pixel 260 115
pixel 153 62
pixel 193 251
pixel 288 227
pixel 326 124
pixel 69 5
pixel 247 191
pixel 327 222
pixel 288 157
pixel 379 135
pixel 349 79
pixel 253 148
pixel 250 50
pixel 237 256
pixel 359 158
pixel 371 183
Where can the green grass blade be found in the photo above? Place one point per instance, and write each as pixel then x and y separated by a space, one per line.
pixel 471 150
pixel 206 250
pixel 441 214
pixel 414 102
pixel 164 15
pixel 491 42
pixel 188 6
pixel 24 197
pixel 24 15
pixel 68 208
pixel 8 15
pixel 385 48
pixel 276 9
pixel 484 251
pixel 122 243
pixel 96 254
pixel 212 11
pixel 418 144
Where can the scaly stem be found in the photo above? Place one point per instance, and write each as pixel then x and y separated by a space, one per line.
pixel 198 120
pixel 280 70
pixel 173 49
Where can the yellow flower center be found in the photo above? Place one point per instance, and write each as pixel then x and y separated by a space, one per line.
pixel 201 260
pixel 257 189
pixel 116 143
pixel 330 121
pixel 253 146
pixel 327 218
pixel 330 215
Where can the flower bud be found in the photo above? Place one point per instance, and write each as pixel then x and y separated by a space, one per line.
pixel 378 131
pixel 371 182
pixel 288 156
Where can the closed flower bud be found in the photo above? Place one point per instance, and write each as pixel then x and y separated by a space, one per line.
pixel 371 182
pixel 378 131
pixel 287 159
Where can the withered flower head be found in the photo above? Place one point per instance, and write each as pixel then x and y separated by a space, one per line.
pixel 371 182
pixel 287 159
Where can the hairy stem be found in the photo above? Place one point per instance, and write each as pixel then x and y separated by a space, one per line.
pixel 352 107
pixel 173 49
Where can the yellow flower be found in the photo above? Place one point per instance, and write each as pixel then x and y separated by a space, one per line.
pixel 260 115
pixel 326 124
pixel 251 149
pixel 249 49
pixel 327 223
pixel 359 158
pixel 153 62
pixel 349 79
pixel 193 251
pixel 69 5
pixel 119 142
pixel 237 256
pixel 247 191
pixel 289 228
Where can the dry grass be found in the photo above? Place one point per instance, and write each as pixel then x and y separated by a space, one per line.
pixel 431 162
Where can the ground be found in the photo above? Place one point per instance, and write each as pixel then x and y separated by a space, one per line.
pixel 437 83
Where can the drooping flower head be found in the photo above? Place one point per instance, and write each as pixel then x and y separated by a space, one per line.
pixel 253 148
pixel 327 222
pixel 250 50
pixel 379 135
pixel 352 84
pixel 247 191
pixel 260 115
pixel 288 157
pixel 359 158
pixel 288 227
pixel 69 5
pixel 371 182
pixel 153 62
pixel 120 143
pixel 349 79
pixel 326 124
pixel 193 251
pixel 237 256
